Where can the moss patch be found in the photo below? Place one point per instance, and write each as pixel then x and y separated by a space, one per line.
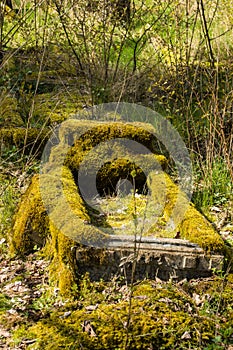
pixel 5 303
pixel 31 223
pixel 31 140
pixel 161 316
pixel 32 226
pixel 184 218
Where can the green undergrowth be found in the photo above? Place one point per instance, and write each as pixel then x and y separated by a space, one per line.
pixel 5 303
pixel 161 316
pixel 23 141
pixel 10 195
pixel 213 186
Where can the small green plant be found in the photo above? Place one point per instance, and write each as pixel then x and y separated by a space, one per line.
pixel 5 303
pixel 221 340
pixel 216 344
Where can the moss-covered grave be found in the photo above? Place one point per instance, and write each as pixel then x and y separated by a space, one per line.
pixel 62 230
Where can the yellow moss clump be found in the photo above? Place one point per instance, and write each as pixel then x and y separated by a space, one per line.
pixel 89 133
pixel 31 223
pixel 62 266
pixel 9 115
pixel 59 231
pixel 98 142
pixel 197 229
pixel 182 216
pixel 157 318
pixel 86 135
pixel 72 229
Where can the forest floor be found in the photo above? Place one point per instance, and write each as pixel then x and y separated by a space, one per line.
pixel 22 282
pixel 26 297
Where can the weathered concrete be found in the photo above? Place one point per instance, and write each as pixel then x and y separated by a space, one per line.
pixel 166 259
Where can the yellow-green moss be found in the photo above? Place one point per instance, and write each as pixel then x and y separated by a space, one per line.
pixel 197 229
pixel 120 159
pixel 86 134
pixel 62 266
pixel 9 115
pixel 158 317
pixel 55 107
pixel 32 140
pixel 31 223
pixel 185 218
pixel 110 172
pixel 32 226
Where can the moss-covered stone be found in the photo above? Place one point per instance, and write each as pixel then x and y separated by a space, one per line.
pixel 86 135
pixel 137 146
pixel 33 226
pixel 31 222
pixel 62 266
pixel 69 219
pixel 184 218
pixel 9 115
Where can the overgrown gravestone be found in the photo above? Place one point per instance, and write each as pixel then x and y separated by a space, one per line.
pixel 104 214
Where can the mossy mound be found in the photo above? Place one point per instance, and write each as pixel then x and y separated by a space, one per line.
pixel 183 218
pixel 95 133
pixel 160 316
pixel 8 111
pixel 33 226
pixel 137 142
pixel 86 134
pixel 31 223
pixel 72 220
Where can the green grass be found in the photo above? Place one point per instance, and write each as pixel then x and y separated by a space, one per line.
pixel 213 185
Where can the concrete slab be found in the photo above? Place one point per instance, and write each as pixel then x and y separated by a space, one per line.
pixel 162 258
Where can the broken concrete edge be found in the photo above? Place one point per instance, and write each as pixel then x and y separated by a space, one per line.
pixel 154 257
pixel 105 265
pixel 146 243
pixel 169 247
pixel 150 243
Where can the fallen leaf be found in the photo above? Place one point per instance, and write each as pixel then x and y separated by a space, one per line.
pixel 66 314
pixel 87 327
pixel 4 334
pixel 141 297
pixel 165 300
pixel 29 341
pixel 91 307
pixel 198 300
pixel 3 240
pixel 186 335
pixel 3 278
